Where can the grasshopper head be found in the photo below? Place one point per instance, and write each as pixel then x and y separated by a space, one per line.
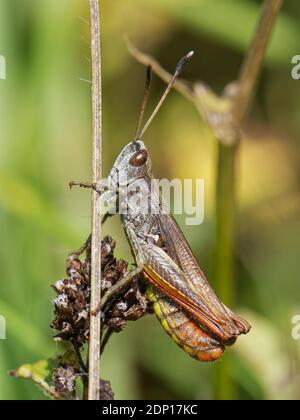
pixel 133 162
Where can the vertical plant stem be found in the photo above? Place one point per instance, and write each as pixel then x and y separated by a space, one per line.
pixel 225 250
pixel 95 320
pixel 226 208
pixel 226 181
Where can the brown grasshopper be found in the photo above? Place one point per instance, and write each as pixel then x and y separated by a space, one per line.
pixel 182 298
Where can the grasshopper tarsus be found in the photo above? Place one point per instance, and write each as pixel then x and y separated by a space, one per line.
pixel 90 185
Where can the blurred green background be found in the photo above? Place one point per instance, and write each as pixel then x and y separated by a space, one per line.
pixel 45 142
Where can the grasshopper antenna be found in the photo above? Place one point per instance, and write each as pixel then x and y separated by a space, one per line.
pixel 179 68
pixel 144 103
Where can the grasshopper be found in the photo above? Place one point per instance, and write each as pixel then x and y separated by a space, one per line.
pixel 182 299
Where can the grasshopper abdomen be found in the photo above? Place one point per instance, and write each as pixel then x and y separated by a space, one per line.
pixel 183 330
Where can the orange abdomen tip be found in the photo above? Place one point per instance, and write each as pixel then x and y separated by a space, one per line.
pixel 210 355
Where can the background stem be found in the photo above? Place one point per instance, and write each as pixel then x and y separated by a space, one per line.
pixel 225 252
pixel 95 325
pixel 225 223
pixel 254 59
pixel 226 182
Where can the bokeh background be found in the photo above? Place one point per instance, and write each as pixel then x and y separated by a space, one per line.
pixel 45 142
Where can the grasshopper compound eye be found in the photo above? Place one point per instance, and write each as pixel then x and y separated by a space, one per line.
pixel 139 158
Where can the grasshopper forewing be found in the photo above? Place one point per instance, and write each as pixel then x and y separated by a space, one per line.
pixel 182 298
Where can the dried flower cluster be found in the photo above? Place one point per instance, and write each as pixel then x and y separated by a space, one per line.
pixel 106 392
pixel 72 302
pixel 64 379
pixel 72 312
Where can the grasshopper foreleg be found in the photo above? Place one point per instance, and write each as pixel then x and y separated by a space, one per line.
pixel 91 185
pixel 100 189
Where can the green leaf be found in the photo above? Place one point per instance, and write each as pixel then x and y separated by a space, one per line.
pixel 39 373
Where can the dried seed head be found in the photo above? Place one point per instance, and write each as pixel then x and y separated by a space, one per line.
pixel 73 300
pixel 64 379
pixel 106 392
